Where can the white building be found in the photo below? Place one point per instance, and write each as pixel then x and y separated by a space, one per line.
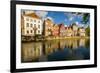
pixel 31 24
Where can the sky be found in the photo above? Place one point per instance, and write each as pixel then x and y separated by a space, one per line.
pixel 67 18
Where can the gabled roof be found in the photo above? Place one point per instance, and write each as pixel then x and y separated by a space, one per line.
pixel 66 27
pixel 61 25
pixel 81 28
pixel 33 15
pixel 74 24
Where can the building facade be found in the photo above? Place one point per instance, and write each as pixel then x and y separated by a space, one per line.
pixel 75 29
pixel 69 31
pixel 55 31
pixel 31 25
pixel 82 31
pixel 48 26
pixel 62 30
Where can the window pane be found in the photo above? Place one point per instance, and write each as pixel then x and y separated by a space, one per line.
pixel 38 26
pixel 27 19
pixel 27 24
pixel 31 20
pixel 38 31
pixel 31 25
pixel 27 31
pixel 34 25
pixel 31 31
pixel 34 20
pixel 38 21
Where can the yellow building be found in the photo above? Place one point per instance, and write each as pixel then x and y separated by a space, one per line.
pixel 48 26
pixel 82 31
pixel 69 31
pixel 75 29
pixel 55 31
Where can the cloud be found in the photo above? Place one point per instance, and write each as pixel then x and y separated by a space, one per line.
pixel 41 14
pixel 70 16
pixel 49 18
pixel 65 20
pixel 80 15
pixel 77 23
pixel 66 25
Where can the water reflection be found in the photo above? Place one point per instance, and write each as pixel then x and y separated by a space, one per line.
pixel 56 50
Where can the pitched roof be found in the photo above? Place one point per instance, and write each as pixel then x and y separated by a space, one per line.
pixel 33 15
pixel 61 25
pixel 66 27
pixel 81 28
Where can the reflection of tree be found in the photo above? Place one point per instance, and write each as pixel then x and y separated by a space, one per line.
pixel 87 43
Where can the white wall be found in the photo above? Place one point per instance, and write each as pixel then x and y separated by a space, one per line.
pixel 5 36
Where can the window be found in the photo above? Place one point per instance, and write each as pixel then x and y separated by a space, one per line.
pixel 31 31
pixel 38 26
pixel 27 32
pixel 31 20
pixel 27 24
pixel 31 25
pixel 34 20
pixel 27 19
pixel 38 21
pixel 34 25
pixel 38 31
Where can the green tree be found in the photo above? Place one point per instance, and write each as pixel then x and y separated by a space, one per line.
pixel 86 17
pixel 87 31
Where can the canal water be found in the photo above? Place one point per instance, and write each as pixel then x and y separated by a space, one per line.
pixel 55 50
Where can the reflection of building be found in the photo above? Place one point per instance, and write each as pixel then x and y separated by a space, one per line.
pixel 51 47
pixel 62 44
pixel 75 44
pixel 48 25
pixel 82 31
pixel 39 51
pixel 82 42
pixel 31 52
pixel 31 24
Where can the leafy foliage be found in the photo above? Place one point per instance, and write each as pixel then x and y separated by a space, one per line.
pixel 86 17
pixel 87 31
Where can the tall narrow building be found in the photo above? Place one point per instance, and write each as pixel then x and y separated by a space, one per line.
pixel 48 24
